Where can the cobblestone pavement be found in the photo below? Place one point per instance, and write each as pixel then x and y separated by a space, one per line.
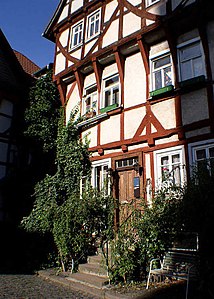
pixel 34 287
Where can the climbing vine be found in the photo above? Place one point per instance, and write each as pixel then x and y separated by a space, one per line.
pixel 71 217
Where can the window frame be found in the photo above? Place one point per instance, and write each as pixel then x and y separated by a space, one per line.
pixel 102 163
pixel 185 45
pixel 86 96
pixel 154 58
pixel 111 88
pixel 89 24
pixel 158 166
pixel 72 46
pixel 193 147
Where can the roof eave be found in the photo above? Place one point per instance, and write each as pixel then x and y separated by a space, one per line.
pixel 48 32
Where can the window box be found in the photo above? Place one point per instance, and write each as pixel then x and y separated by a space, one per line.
pixel 108 108
pixel 192 81
pixel 161 90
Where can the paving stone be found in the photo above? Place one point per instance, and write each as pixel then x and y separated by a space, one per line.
pixel 34 287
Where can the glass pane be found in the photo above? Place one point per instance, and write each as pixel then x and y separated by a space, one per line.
pixel 176 159
pixel 107 98
pixel 115 99
pixel 167 76
pixel 211 152
pixel 97 26
pixel 186 70
pixel 201 154
pixel 91 33
pixel 176 175
pixel 161 62
pixel 165 160
pixel 197 67
pixel 111 81
pixel 190 51
pixel 158 80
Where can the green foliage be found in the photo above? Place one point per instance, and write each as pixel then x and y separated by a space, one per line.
pixel 42 113
pixel 147 234
pixel 60 209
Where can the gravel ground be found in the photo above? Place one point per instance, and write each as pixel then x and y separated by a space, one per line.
pixel 34 287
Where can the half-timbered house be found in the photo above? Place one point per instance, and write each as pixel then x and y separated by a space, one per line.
pixel 141 72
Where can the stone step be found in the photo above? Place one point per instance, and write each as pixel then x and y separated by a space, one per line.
pixel 89 280
pixel 93 269
pixel 96 259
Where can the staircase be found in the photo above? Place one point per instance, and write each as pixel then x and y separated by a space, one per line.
pixel 91 277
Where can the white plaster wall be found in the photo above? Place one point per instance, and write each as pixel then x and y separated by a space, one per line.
pixel 110 130
pixel 110 8
pixel 111 35
pixel 188 36
pixel 89 80
pixel 110 70
pixel 135 2
pixel 131 24
pixel 77 54
pixel 91 135
pixel 60 63
pixel 132 120
pixel 194 106
pixel 173 138
pixel 63 39
pixel 165 113
pixel 202 131
pixel 64 14
pixel 210 34
pixel 134 81
pixel 76 4
pixel 72 102
pixel 158 48
pixel 89 45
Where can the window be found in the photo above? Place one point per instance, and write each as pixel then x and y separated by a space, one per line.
pixel 100 176
pixel 191 62
pixel 170 167
pixel 161 72
pixel 129 162
pixel 203 157
pixel 111 91
pixel 77 35
pixel 94 21
pixel 90 100
pixel 150 2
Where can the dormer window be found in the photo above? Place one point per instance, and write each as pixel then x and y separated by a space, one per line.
pixel 94 21
pixel 77 35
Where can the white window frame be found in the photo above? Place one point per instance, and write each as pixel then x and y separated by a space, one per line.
pixel 110 88
pixel 151 2
pixel 153 71
pixel 193 147
pixel 105 163
pixel 94 99
pixel 185 45
pixel 79 33
pixel 178 150
pixel 90 23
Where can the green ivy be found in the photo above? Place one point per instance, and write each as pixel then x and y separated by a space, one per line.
pixel 60 209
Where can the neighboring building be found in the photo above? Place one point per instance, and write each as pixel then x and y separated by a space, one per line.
pixel 16 72
pixel 142 73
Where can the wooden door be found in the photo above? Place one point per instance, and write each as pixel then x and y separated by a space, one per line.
pixel 125 194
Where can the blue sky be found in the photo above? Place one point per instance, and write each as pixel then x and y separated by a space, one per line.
pixel 23 23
